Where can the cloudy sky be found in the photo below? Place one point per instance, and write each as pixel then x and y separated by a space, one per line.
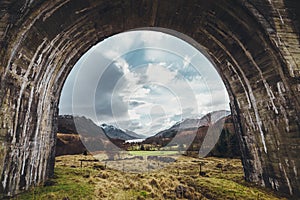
pixel 143 81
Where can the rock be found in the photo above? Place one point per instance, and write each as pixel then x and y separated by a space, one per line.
pixel 203 174
pixel 86 176
pixel 101 167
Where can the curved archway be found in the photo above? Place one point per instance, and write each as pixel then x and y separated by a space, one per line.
pixel 41 41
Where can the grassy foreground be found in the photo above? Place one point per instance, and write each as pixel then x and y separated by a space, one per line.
pixel 220 179
pixel 153 153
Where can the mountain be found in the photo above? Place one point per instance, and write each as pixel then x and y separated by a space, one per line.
pixel 69 124
pixel 198 135
pixel 228 144
pixel 209 141
pixel 115 133
pixel 192 124
pixel 79 134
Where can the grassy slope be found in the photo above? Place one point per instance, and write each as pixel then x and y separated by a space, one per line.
pixel 180 180
pixel 68 184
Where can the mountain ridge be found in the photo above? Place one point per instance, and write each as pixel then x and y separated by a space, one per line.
pixel 192 124
pixel 117 133
pixel 69 129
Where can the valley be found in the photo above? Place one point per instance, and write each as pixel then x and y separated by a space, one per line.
pixel 146 168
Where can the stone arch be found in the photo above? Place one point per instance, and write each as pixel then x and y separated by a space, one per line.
pixel 255 45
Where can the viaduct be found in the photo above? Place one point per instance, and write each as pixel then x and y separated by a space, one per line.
pixel 254 44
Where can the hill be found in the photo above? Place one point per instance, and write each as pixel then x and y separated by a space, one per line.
pixel 79 134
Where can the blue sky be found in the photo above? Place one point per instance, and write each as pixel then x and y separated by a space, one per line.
pixel 144 81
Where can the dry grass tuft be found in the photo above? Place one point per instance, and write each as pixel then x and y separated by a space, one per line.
pixel 180 180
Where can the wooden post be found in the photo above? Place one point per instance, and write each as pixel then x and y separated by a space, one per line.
pixel 200 168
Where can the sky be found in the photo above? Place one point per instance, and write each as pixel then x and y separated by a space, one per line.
pixel 143 81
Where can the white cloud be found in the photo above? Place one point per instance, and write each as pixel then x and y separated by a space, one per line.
pixel 187 60
pixel 159 73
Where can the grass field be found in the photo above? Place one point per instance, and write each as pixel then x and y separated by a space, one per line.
pixel 69 183
pixel 153 153
pixel 220 179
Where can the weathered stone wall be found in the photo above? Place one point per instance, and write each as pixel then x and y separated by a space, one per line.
pixel 254 44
